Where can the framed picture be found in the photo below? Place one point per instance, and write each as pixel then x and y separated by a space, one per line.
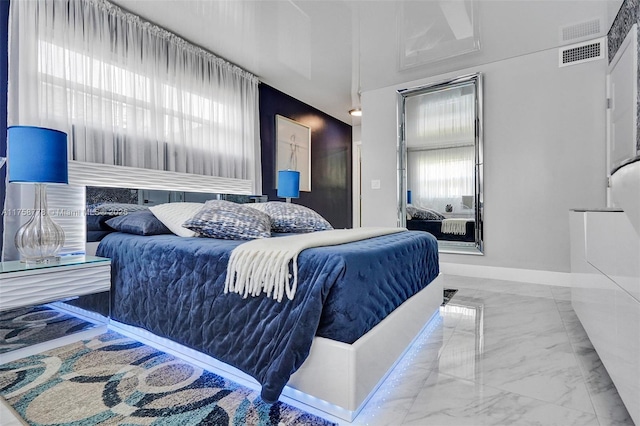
pixel 293 149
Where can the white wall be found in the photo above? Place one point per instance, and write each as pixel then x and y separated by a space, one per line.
pixel 544 133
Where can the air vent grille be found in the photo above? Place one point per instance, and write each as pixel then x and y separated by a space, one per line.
pixel 582 52
pixel 580 30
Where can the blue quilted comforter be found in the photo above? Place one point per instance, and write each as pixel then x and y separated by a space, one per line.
pixel 174 287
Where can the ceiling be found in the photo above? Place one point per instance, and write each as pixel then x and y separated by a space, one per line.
pixel 326 52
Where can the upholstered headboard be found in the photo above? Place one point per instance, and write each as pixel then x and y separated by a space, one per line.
pixel 91 183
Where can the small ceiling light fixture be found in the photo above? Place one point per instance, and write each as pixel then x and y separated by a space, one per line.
pixel 356 89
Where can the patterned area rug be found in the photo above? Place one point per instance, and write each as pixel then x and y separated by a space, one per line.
pixel 112 379
pixel 448 294
pixel 28 326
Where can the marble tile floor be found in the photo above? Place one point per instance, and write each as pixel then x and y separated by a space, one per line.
pixel 501 353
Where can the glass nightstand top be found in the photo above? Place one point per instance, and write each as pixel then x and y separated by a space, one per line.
pixel 17 266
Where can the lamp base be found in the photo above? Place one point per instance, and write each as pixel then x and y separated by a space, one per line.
pixel 41 260
pixel 40 239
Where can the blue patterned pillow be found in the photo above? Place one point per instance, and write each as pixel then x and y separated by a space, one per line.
pixel 423 213
pixel 229 221
pixel 138 223
pixel 289 217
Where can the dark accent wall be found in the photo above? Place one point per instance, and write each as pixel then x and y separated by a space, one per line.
pixel 4 65
pixel 331 156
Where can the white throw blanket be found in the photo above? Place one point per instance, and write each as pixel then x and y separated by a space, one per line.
pixel 456 226
pixel 262 265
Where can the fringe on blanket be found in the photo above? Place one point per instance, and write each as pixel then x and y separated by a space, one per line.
pixel 261 273
pixel 456 226
pixel 262 265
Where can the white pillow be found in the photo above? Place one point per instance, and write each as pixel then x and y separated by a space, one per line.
pixel 173 215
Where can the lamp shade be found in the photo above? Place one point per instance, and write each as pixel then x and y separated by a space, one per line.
pixel 288 184
pixel 37 155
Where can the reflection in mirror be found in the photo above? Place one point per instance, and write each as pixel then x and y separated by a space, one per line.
pixel 440 162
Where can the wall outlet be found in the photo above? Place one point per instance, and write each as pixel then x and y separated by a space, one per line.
pixel 375 184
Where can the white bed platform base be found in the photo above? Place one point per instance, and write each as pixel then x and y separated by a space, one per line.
pixel 337 378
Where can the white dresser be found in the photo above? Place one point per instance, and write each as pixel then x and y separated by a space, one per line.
pixel 605 294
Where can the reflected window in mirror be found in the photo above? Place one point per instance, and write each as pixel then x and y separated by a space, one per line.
pixel 440 151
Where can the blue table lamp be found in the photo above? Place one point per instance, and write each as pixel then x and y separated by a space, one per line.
pixel 288 184
pixel 38 155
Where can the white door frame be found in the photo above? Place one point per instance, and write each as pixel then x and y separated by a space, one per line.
pixel 629 50
pixel 357 184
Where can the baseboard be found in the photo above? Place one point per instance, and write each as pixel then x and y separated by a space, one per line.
pixel 560 279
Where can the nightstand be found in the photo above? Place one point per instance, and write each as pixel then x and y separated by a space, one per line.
pixel 27 285
pixel 30 323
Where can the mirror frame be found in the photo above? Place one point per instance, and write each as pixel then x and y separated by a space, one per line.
pixel 476 247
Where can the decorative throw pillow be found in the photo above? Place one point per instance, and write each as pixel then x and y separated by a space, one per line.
pixel 423 213
pixel 229 221
pixel 289 217
pixel 138 223
pixel 173 215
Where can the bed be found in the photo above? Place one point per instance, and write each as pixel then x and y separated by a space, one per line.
pixel 173 287
pixel 434 227
pixel 339 374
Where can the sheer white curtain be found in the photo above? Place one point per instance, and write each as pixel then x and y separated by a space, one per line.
pixel 442 118
pixel 439 177
pixel 441 153
pixel 128 93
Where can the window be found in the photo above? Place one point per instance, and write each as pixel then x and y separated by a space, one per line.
pixel 132 94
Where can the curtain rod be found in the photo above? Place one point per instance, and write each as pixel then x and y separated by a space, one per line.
pixel 169 36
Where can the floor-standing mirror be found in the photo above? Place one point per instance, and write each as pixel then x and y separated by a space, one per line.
pixel 440 162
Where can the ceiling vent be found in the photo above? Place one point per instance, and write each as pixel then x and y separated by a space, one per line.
pixel 582 52
pixel 580 31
